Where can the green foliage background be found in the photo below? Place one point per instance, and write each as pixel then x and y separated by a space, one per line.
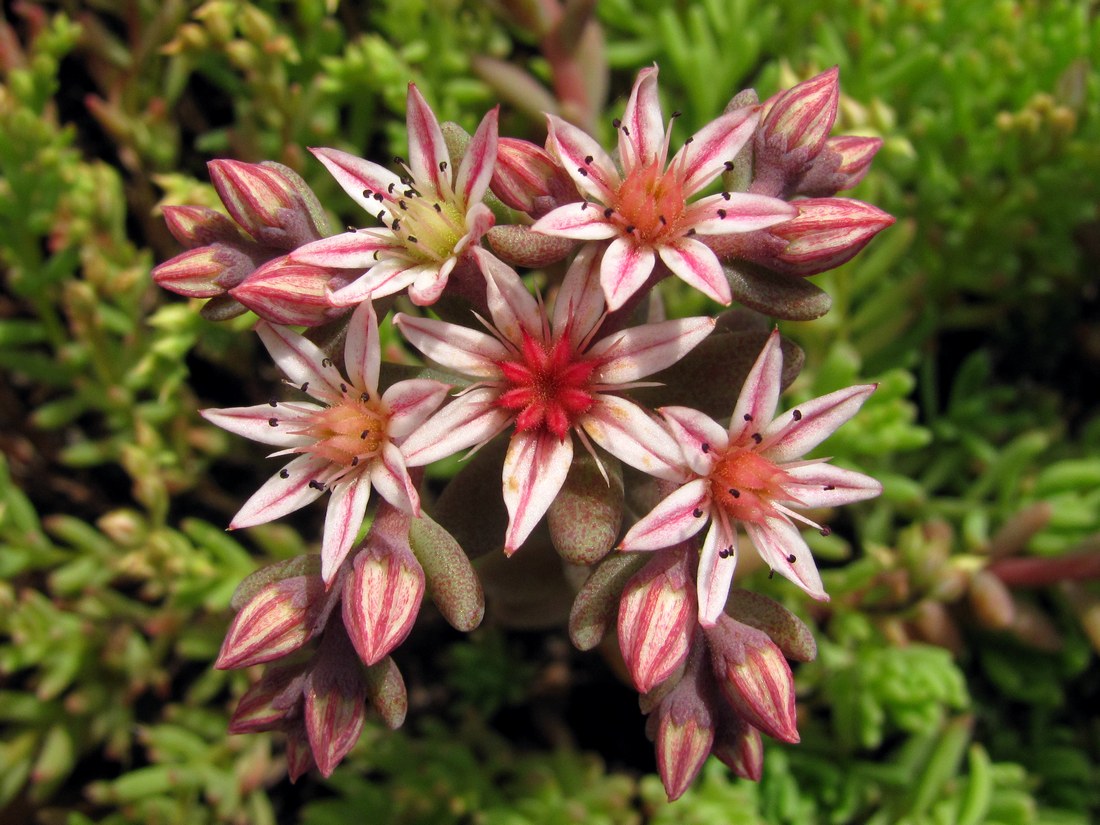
pixel 977 312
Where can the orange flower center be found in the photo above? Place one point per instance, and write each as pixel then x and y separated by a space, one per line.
pixel 745 484
pixel 347 432
pixel 547 385
pixel 650 202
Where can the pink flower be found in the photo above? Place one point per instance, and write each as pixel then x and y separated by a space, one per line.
pixel 749 475
pixel 548 377
pixel 346 444
pixel 645 211
pixel 432 215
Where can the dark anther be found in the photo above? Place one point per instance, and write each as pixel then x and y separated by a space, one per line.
pixel 400 161
pixel 378 197
pixel 391 187
pixel 626 131
pixel 443 166
pixel 748 416
pixel 676 114
pixel 284 473
pixel 607 213
pixel 705 447
pixel 585 205
pixel 364 396
pixel 729 165
pixel 826 531
pixel 375 255
pixel 315 484
pixel 697 513
pixel 829 487
pixel 734 492
pixel 409 193
pixel 364 434
pixel 411 239
pixel 396 224
pixel 350 228
pixel 796 415
pixel 367 193
pixel 305 386
pixel 273 403
pixel 273 422
pixel 663 220
pixel 724 553
pixel 326 362
pixel 583 171
pixel 757 437
pixel 726 196
pixel 690 232
pixel 437 207
pixel 403 205
pixel 630 229
pixel 689 140
pixel 616 123
pixel 588 158
pixel 791 558
pixel 722 214
pixel 343 387
pixel 354 460
pixel 771 573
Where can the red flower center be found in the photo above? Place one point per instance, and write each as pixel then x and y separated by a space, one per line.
pixel 547 385
pixel 347 432
pixel 745 484
pixel 650 202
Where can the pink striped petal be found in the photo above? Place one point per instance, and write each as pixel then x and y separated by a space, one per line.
pixel 583 159
pixel 695 263
pixel 700 437
pixel 476 169
pixel 823 485
pixel 715 571
pixel 361 179
pixel 301 361
pixel 362 350
pixel 778 541
pixel 348 250
pixel 390 276
pixel 391 478
pixel 429 281
pixel 705 155
pixel 799 430
pixel 461 349
pixel 737 212
pixel 411 402
pixel 428 155
pixel 672 521
pixel 470 419
pixel 534 472
pixel 625 268
pixel 579 304
pixel 627 432
pixel 513 308
pixel 639 351
pixel 346 508
pixel 479 220
pixel 642 133
pixel 279 496
pixel 583 221
pixel 760 392
pixel 255 422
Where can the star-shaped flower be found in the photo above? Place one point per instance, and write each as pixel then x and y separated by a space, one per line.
pixel 548 377
pixel 432 215
pixel 347 444
pixel 749 475
pixel 646 209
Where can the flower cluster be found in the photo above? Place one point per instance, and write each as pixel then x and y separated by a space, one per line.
pixel 604 409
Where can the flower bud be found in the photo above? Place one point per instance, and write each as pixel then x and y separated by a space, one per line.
pixel 520 246
pixel 291 293
pixel 841 164
pixel 267 703
pixel 452 582
pixel 754 677
pixel 526 177
pixel 738 745
pixel 657 617
pixel 299 755
pixel 335 701
pixel 381 598
pixel 257 197
pixel 685 731
pixel 198 226
pixel 278 620
pixel 386 692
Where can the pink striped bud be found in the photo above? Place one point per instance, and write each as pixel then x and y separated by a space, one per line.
pixel 278 620
pixel 526 177
pixel 381 598
pixel 685 731
pixel 267 703
pixel 266 199
pixel 299 755
pixel 754 677
pixel 204 272
pixel 282 292
pixel 197 226
pixel 657 617
pixel 841 164
pixel 335 701
pixel 738 745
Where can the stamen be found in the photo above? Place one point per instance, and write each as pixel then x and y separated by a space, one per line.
pixel 722 214
pixel 791 559
pixel 411 239
pixel 588 159
pixel 663 220
pixel 326 363
pixel 582 171
pixel 698 513
pixel 676 114
pixel 748 416
pixel 607 213
pixel 616 123
pixel 316 485
pixel 729 165
pixel 273 402
pixel 705 447
pixel 796 415
pixel 391 187
pixel 284 473
pixel 690 232
pixel 443 166
pixel 354 460
pixel 437 207
pixel 367 193
pixel 757 437
pixel 273 422
pixel 305 386
pixel 829 487
pixel 726 196
pixel 826 531
pixel 734 493
pixel 630 229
